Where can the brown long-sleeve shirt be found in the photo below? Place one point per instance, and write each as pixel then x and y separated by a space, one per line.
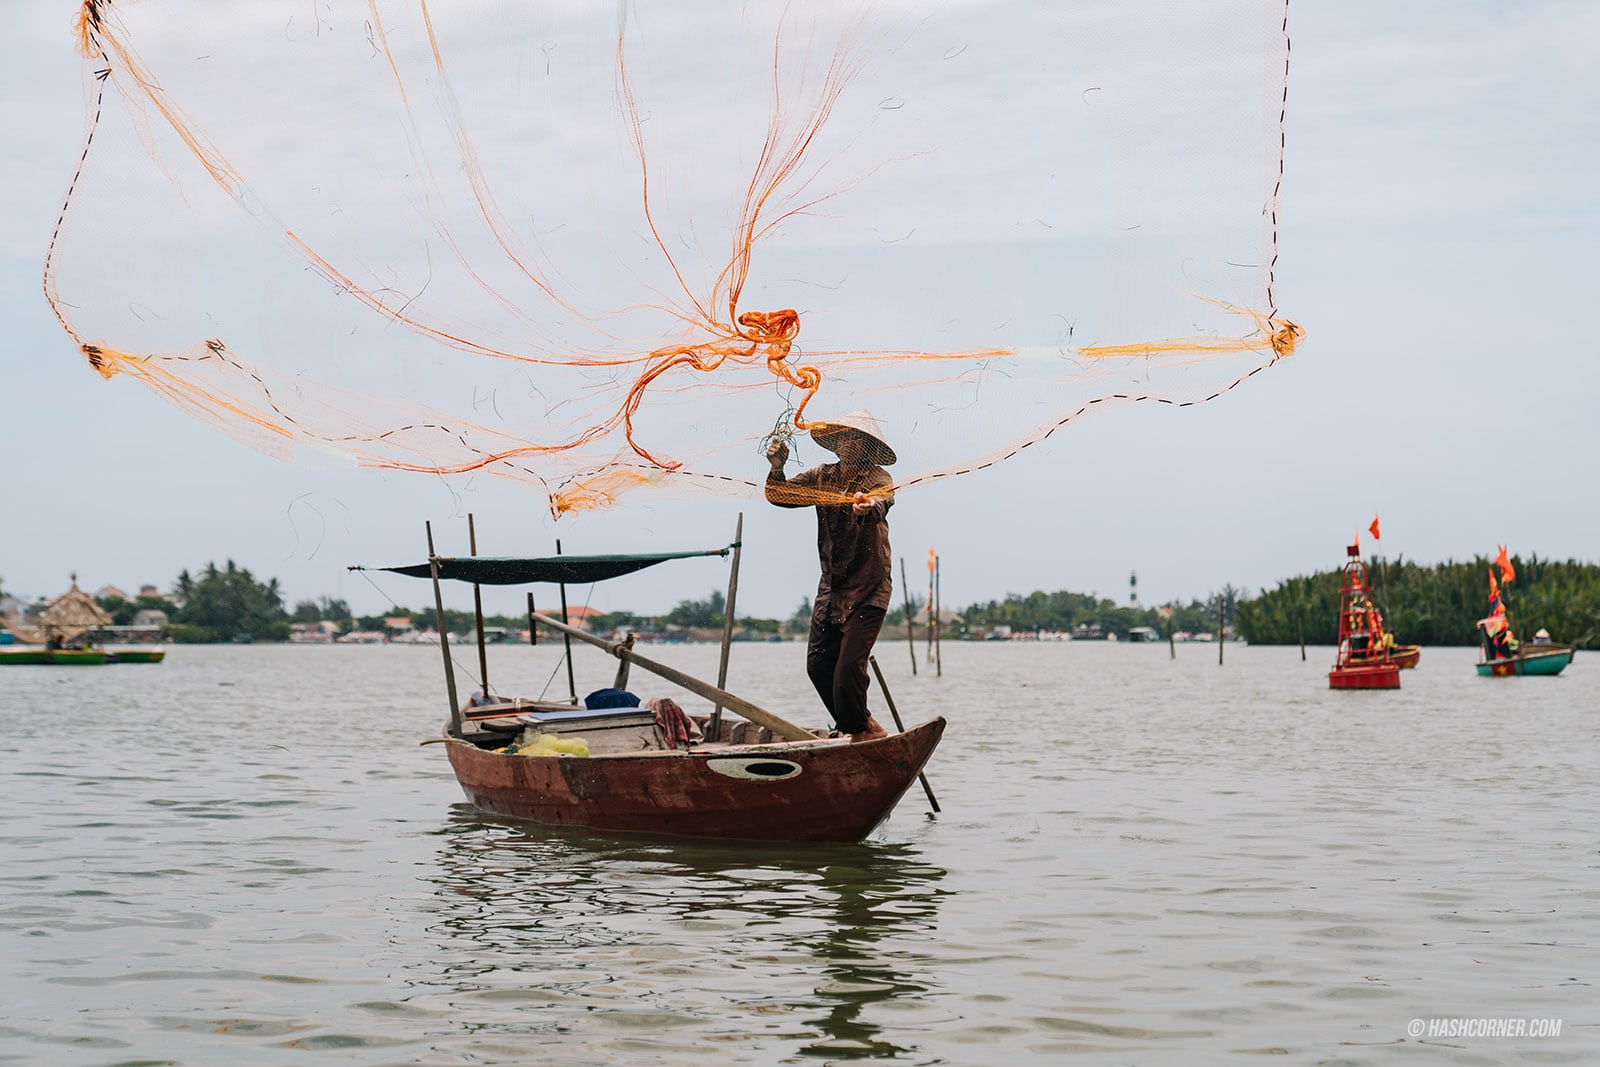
pixel 853 549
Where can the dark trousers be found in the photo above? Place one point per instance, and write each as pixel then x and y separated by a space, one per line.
pixel 836 660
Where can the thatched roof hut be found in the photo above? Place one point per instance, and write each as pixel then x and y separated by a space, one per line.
pixel 69 616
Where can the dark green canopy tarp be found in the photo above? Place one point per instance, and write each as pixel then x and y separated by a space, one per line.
pixel 571 570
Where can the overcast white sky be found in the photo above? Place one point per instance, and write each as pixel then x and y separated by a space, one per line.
pixel 1439 242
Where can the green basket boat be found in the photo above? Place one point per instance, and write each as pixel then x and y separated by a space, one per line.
pixel 1529 659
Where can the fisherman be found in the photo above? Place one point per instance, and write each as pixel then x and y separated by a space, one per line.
pixel 852 498
pixel 1497 638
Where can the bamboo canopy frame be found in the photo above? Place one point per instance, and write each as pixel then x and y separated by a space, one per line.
pixel 476 570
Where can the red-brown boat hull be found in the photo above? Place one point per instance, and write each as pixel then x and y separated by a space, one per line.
pixel 790 791
pixel 1381 675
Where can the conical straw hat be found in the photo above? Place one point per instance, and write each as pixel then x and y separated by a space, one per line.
pixel 829 433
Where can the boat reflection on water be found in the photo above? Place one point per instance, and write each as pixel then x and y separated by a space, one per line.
pixel 623 945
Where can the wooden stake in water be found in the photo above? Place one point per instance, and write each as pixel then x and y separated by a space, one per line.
pixel 572 685
pixel 1172 641
pixel 621 680
pixel 898 725
pixel 1221 605
pixel 938 635
pixel 911 637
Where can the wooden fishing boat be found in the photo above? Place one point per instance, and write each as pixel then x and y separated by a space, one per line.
pixel 822 789
pixel 34 655
pixel 1549 658
pixel 761 779
pixel 1363 661
pixel 1405 656
pixel 136 655
pixel 76 657
pixel 1503 655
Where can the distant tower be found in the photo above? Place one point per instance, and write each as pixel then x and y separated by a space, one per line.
pixel 1133 589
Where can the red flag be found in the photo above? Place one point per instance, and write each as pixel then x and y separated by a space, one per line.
pixel 1503 561
pixel 1373 529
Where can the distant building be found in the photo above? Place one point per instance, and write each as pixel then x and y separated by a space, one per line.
pixel 397 624
pixel 110 592
pixel 150 617
pixel 582 616
pixel 313 633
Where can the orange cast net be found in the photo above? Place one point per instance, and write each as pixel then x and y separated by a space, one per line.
pixel 612 251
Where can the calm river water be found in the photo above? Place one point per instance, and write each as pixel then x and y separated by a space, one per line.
pixel 243 856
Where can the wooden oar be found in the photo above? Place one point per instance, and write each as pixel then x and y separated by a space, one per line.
pixel 758 715
pixel 898 725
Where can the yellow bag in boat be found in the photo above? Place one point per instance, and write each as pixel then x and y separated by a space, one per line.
pixel 550 745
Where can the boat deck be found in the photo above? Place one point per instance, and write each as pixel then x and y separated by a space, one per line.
pixel 609 731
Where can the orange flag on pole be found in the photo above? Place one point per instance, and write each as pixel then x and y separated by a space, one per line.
pixel 933 558
pixel 1373 529
pixel 1494 587
pixel 1503 561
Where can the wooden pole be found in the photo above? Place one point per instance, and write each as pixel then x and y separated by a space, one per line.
pixel 756 714
pixel 572 685
pixel 1172 642
pixel 932 621
pixel 1300 628
pixel 477 609
pixel 911 638
pixel 938 624
pixel 533 631
pixel 444 638
pixel 715 723
pixel 898 725
pixel 1221 603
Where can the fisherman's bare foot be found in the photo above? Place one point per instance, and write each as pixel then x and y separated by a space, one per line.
pixel 871 733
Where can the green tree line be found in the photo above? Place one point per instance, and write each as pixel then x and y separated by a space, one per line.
pixel 1434 605
pixel 1428 605
pixel 1064 610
